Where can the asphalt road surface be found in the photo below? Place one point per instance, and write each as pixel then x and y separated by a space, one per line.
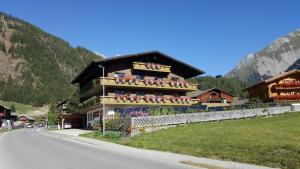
pixel 31 149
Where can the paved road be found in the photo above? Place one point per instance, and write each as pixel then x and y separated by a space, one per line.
pixel 31 149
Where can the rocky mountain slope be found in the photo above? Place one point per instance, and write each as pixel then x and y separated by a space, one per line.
pixel 36 67
pixel 275 58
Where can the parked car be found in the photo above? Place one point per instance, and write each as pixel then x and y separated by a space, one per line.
pixel 41 125
pixel 28 125
pixel 67 125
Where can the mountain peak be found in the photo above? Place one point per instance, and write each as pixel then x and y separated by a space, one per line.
pixel 273 59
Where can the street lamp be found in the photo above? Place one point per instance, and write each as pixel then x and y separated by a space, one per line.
pixel 103 105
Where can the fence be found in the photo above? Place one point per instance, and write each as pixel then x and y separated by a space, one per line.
pixel 137 125
pixel 159 110
pixel 150 121
pixel 53 127
pixel 171 110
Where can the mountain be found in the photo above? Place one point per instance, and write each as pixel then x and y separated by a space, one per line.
pixel 279 56
pixel 295 65
pixel 36 67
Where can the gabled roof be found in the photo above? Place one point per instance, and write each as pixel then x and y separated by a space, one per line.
pixel 95 66
pixel 27 117
pixel 200 92
pixel 279 76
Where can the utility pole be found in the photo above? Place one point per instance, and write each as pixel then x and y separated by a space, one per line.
pixel 103 104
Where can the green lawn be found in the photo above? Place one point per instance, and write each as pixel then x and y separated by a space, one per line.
pixel 3 131
pixel 273 141
pixel 20 108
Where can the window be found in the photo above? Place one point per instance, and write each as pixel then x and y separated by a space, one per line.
pixel 119 74
pixel 140 77
pixel 140 93
pixel 158 78
pixel 175 78
pixel 90 117
pixel 214 94
pixel 120 92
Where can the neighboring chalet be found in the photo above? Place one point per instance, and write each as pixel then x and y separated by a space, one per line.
pixel 24 119
pixel 284 87
pixel 142 79
pixel 76 120
pixel 213 97
pixel 5 114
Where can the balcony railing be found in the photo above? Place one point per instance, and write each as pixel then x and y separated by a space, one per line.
pixel 149 83
pixel 288 97
pixel 96 102
pixel 151 67
pixel 131 82
pixel 288 85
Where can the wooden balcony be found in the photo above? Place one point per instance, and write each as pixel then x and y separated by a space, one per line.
pixel 138 101
pixel 147 83
pixel 151 67
pixel 287 97
pixel 129 82
pixel 144 100
pixel 288 86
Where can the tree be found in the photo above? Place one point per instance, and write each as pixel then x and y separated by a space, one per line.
pixel 13 108
pixel 48 64
pixel 53 114
pixel 73 106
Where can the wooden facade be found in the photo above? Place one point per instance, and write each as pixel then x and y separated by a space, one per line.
pixel 143 79
pixel 5 114
pixel 24 119
pixel 66 116
pixel 213 95
pixel 284 87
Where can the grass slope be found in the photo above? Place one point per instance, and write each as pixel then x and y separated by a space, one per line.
pixel 3 130
pixel 20 108
pixel 273 141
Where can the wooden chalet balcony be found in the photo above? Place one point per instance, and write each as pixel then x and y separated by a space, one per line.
pixel 148 83
pixel 97 102
pixel 287 86
pixel 288 97
pixel 130 82
pixel 151 67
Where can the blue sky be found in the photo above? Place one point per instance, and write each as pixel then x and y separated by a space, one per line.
pixel 212 35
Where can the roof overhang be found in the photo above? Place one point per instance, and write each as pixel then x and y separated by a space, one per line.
pixel 200 93
pixel 272 79
pixel 95 66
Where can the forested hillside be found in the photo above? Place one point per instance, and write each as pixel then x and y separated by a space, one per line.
pixel 233 86
pixel 36 67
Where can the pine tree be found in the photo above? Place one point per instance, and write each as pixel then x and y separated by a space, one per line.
pixel 13 108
